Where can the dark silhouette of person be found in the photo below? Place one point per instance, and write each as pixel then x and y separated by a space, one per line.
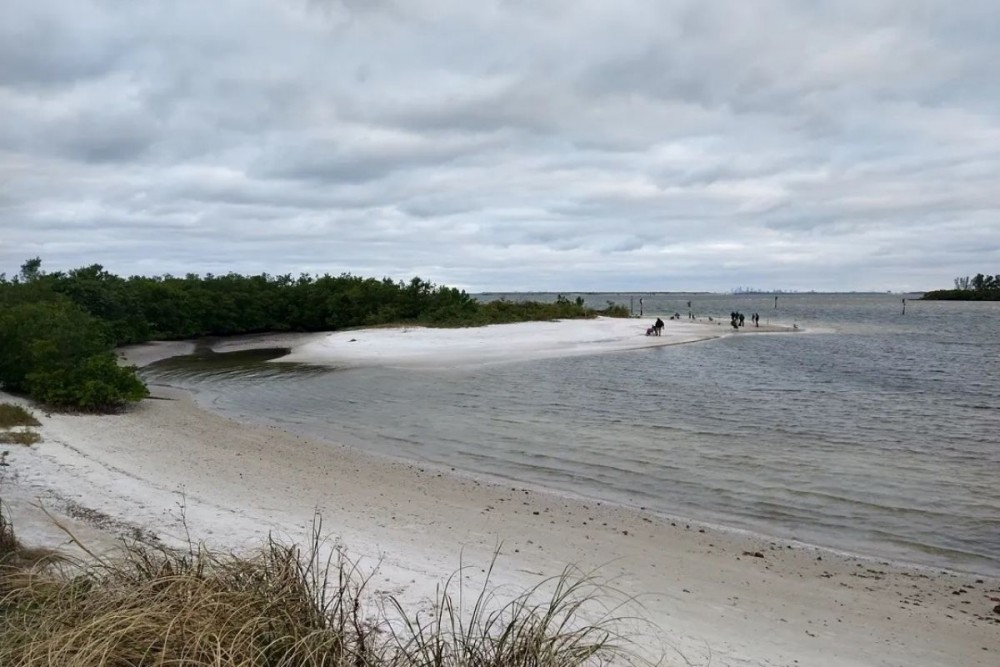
pixel 741 319
pixel 658 325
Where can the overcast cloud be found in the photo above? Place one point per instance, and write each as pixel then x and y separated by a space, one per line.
pixel 506 144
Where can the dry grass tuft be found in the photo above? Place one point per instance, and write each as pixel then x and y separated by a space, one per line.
pixel 14 415
pixel 544 627
pixel 282 607
pixel 24 437
pixel 8 541
pixel 156 607
pixel 15 558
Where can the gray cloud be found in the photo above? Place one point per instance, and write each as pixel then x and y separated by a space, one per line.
pixel 506 145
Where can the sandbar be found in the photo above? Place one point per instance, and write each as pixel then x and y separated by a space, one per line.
pixel 499 343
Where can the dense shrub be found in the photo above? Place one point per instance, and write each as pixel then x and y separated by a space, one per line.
pixel 96 383
pixel 56 353
pixel 143 308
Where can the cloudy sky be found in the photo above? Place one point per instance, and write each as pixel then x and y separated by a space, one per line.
pixel 506 144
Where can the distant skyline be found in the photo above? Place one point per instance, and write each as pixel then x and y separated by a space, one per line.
pixel 507 145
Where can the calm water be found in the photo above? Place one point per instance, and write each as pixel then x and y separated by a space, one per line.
pixel 880 434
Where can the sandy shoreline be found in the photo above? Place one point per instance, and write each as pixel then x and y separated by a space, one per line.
pixel 719 597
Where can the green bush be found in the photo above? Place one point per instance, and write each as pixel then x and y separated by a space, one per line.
pixel 98 383
pixel 58 354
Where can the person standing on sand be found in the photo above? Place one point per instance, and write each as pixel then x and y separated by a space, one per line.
pixel 658 325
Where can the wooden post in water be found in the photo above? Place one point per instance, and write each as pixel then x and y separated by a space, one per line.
pixel 904 306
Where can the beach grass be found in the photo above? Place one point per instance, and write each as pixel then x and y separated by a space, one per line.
pixel 25 437
pixel 14 415
pixel 15 558
pixel 8 541
pixel 282 606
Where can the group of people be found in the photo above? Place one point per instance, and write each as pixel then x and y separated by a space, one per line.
pixel 737 319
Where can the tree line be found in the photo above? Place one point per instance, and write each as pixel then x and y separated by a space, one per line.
pixel 980 287
pixel 58 330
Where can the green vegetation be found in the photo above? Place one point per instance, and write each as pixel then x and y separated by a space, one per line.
pixel 58 330
pixel 503 311
pixel 278 608
pixel 977 288
pixel 57 353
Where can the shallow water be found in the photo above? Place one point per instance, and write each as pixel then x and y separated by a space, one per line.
pixel 878 436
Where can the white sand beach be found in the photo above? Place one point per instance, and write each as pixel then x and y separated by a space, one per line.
pixel 499 343
pixel 716 597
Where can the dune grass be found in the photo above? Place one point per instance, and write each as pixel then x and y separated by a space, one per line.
pixel 14 426
pixel 282 607
pixel 25 437
pixel 8 541
pixel 14 415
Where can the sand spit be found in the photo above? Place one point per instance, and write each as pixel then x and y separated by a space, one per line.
pixel 424 347
pixel 499 343
pixel 167 467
